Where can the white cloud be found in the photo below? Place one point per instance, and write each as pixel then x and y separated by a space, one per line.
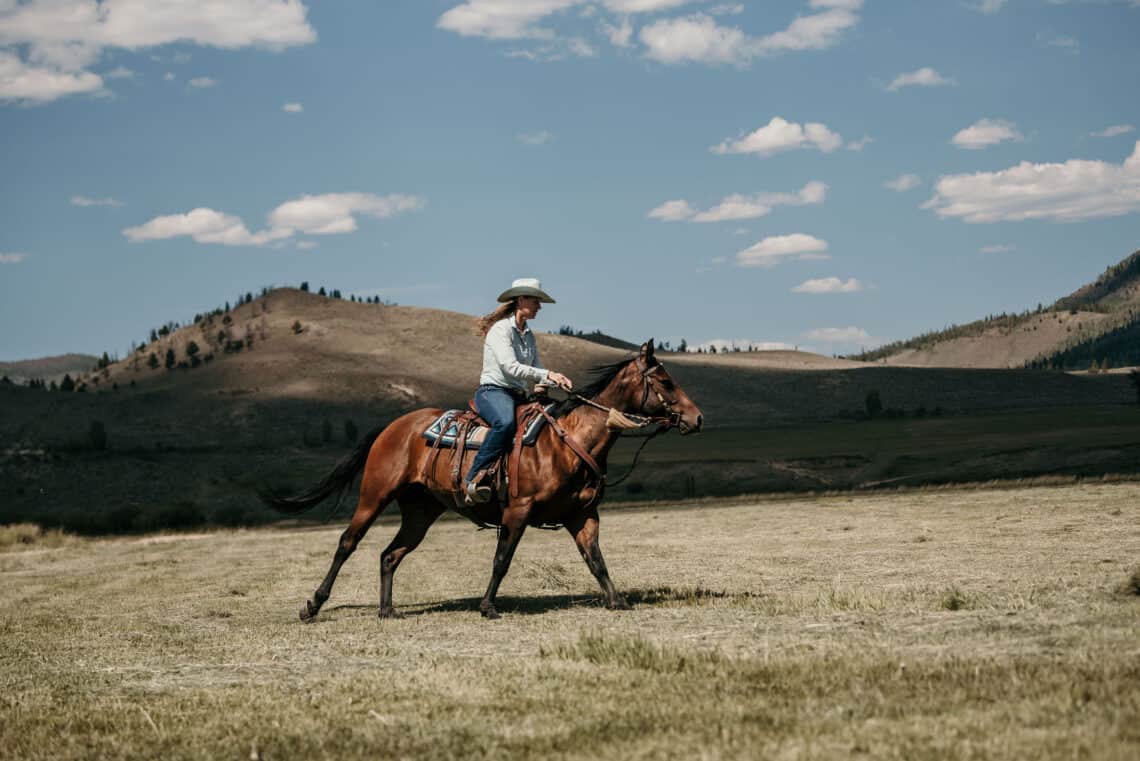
pixel 924 77
pixel 535 138
pixel 12 258
pixel 850 334
pixel 771 251
pixel 998 249
pixel 860 144
pixel 738 206
pixel 85 201
pixel 985 132
pixel 502 19
pixel 328 214
pixel 307 244
pixel 698 38
pixel 1067 192
pixel 62 38
pixel 903 182
pixel 293 108
pixel 829 285
pixel 673 211
pixel 202 82
pixel 119 72
pixel 990 6
pixel 642 6
pixel 1113 131
pixel 621 35
pixel 204 226
pixel 28 83
pixel 168 76
pixel 781 135
pixel 727 9
pixel 1064 42
pixel 333 213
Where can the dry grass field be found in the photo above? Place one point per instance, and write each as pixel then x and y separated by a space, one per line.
pixel 930 624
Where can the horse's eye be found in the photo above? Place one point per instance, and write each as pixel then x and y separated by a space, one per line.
pixel 667 384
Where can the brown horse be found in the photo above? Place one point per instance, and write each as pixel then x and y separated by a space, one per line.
pixel 554 484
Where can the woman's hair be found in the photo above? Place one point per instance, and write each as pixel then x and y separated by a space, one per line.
pixel 484 323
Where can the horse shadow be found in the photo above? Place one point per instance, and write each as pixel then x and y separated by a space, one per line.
pixel 540 604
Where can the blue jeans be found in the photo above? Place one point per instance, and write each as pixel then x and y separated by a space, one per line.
pixel 496 405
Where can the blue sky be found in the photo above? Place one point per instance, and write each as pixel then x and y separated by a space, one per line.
pixel 827 174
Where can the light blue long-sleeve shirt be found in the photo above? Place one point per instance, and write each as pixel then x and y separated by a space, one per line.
pixel 510 356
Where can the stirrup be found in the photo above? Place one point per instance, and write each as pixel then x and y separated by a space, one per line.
pixel 476 493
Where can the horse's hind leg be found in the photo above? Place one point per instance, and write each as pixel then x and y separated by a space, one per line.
pixel 418 510
pixel 374 495
pixel 584 529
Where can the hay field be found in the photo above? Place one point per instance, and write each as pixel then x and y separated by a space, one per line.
pixel 934 624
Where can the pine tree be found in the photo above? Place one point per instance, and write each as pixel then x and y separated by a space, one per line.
pixel 170 359
pixel 67 384
pixel 152 361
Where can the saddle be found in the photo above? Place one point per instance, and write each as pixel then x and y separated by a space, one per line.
pixel 460 430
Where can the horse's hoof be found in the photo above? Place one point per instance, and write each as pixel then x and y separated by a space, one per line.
pixel 308 612
pixel 390 613
pixel 619 603
pixel 490 613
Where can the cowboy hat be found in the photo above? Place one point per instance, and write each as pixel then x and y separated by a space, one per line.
pixel 526 286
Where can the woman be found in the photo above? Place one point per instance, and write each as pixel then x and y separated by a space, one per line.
pixel 510 363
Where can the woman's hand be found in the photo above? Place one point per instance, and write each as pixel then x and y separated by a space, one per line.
pixel 560 380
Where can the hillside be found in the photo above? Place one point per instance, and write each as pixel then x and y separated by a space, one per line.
pixel 47 369
pixel 1065 335
pixel 281 385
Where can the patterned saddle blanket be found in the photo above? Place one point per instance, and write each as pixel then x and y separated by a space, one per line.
pixel 446 429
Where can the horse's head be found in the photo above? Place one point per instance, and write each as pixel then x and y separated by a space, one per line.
pixel 653 392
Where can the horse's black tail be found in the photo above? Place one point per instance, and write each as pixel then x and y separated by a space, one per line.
pixel 337 482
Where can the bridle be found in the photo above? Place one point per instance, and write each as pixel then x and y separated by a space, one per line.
pixel 672 418
pixel 642 418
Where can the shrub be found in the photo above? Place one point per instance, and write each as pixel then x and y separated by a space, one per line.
pixel 297 327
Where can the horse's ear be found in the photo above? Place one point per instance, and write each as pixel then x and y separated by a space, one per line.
pixel 647 350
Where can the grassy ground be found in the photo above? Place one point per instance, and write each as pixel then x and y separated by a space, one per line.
pixel 952 624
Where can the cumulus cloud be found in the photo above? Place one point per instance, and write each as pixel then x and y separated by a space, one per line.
pixel 772 250
pixel 860 144
pixel 1001 248
pixel 202 83
pixel 829 285
pixel 20 81
pixel 985 132
pixel 535 138
pixel 293 108
pixel 620 35
pixel 502 19
pixel 85 201
pixel 1114 131
pixel 60 39
pixel 924 77
pixel 781 135
pixel 738 206
pixel 1074 190
pixel 699 38
pixel 119 72
pixel 12 258
pixel 850 334
pixel 903 182
pixel 328 214
pixel 333 213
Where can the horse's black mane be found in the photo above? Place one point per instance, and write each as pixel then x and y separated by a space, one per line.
pixel 601 377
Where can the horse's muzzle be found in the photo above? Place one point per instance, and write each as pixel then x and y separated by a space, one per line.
pixel 687 426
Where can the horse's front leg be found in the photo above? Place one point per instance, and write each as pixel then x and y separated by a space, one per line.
pixel 584 529
pixel 510 532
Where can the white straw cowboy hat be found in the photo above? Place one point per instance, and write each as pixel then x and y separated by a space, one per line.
pixel 526 286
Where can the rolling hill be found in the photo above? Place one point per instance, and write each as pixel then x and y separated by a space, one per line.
pixel 275 389
pixel 1095 323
